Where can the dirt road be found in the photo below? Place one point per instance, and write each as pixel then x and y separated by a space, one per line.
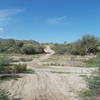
pixel 37 62
pixel 49 83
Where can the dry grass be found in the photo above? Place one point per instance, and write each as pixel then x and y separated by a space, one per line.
pixel 65 60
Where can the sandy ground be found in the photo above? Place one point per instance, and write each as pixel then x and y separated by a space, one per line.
pixel 48 83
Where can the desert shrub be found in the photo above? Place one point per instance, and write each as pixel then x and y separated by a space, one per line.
pixel 60 48
pixel 20 68
pixel 7 68
pixel 25 59
pixel 5 61
pixel 93 62
pixel 6 44
pixel 32 49
pixel 93 84
pixel 4 95
pixel 20 46
pixel 78 47
pixel 87 41
pixel 5 65
pixel 39 49
pixel 28 49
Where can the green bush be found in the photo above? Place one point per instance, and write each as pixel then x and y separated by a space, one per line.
pixel 20 68
pixel 91 63
pixel 94 85
pixel 4 95
pixel 5 61
pixel 60 48
pixel 87 41
pixel 20 46
pixel 7 68
pixel 32 49
pixel 93 82
pixel 28 49
pixel 93 91
pixel 94 62
pixel 5 65
pixel 78 47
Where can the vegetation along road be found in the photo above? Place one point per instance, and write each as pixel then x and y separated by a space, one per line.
pixel 48 83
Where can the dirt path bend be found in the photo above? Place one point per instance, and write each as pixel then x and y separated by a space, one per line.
pixel 37 62
pixel 47 83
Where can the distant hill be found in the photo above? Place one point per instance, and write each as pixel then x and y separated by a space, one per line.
pixel 20 46
pixel 24 41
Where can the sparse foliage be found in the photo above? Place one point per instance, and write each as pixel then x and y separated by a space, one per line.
pixel 78 47
pixel 20 68
pixel 93 84
pixel 4 95
pixel 19 46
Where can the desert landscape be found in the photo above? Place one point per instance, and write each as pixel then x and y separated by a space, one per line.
pixel 47 82
pixel 49 49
